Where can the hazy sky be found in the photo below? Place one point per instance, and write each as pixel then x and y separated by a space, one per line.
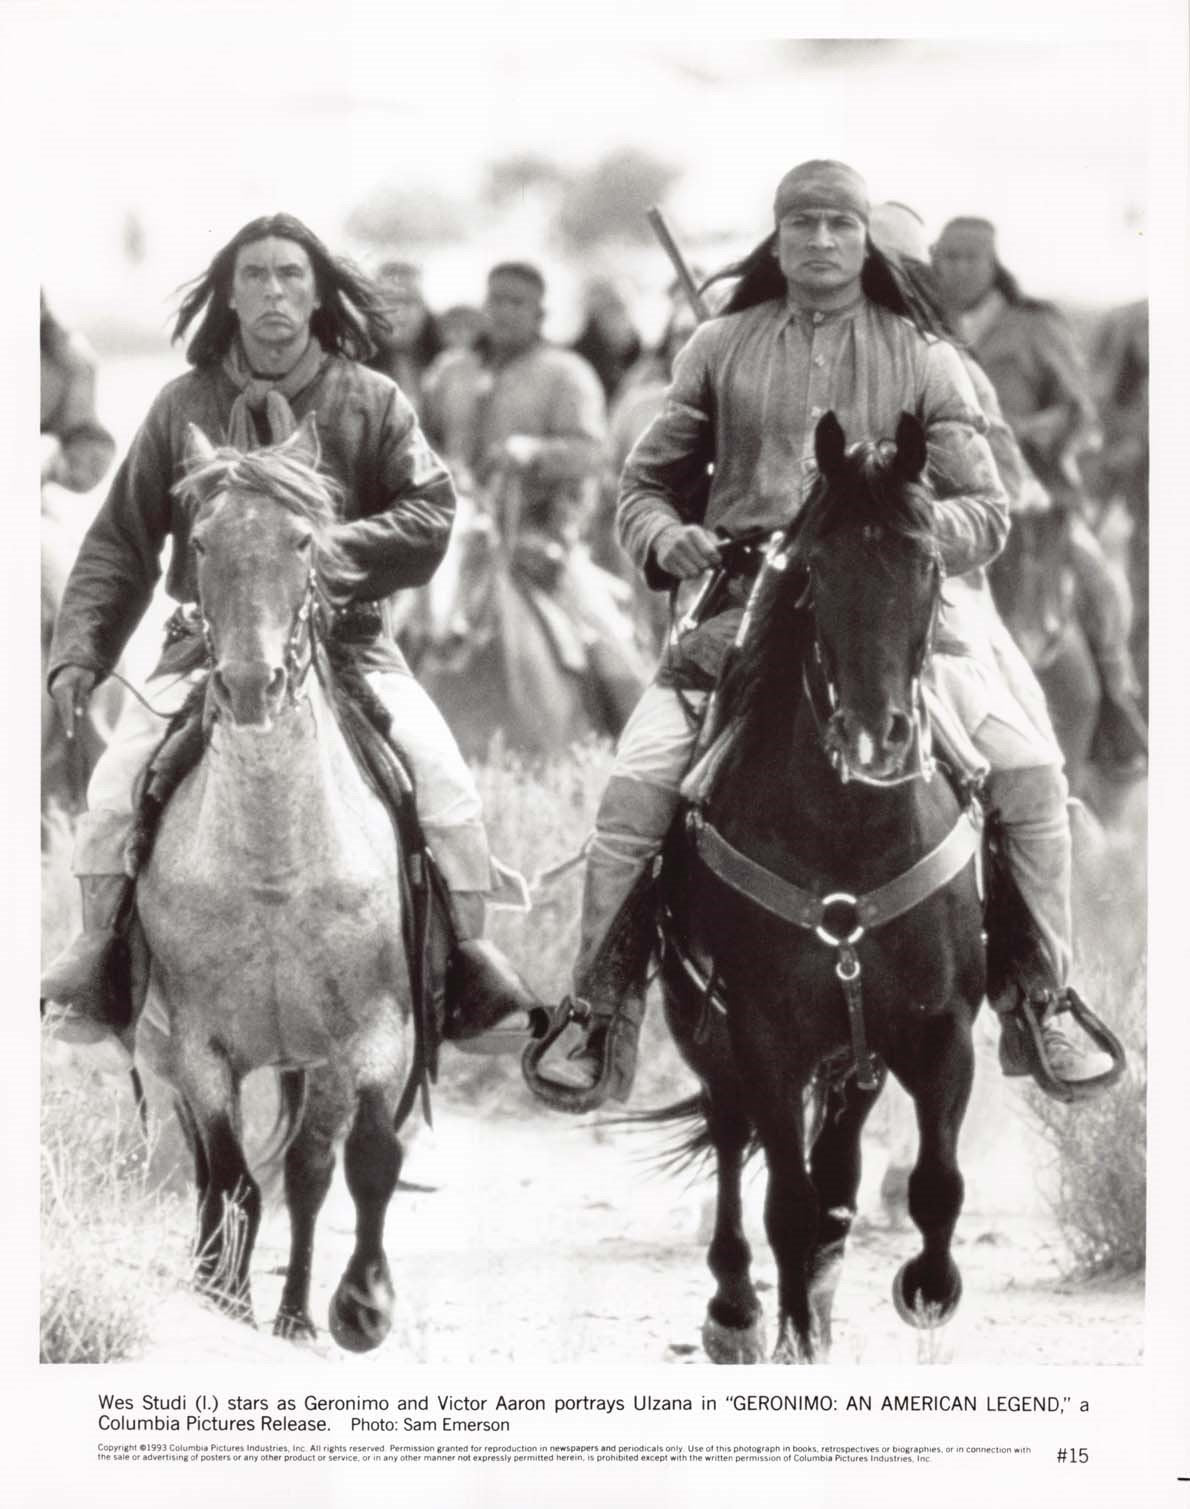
pixel 200 117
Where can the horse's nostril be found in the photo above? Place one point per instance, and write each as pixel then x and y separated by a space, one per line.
pixel 899 731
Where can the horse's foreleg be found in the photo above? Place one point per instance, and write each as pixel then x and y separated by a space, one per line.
pixel 733 1330
pixel 228 1196
pixel 229 1217
pixel 361 1310
pixel 309 1169
pixel 926 1291
pixel 791 1202
pixel 835 1167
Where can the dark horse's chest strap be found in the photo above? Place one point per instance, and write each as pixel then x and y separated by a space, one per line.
pixel 807 909
pixel 839 918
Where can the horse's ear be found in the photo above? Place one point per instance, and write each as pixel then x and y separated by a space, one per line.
pixel 199 449
pixel 303 443
pixel 910 460
pixel 830 444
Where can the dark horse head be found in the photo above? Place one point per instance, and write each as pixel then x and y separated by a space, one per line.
pixel 866 545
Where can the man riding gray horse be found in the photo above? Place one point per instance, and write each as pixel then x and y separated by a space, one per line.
pixel 282 331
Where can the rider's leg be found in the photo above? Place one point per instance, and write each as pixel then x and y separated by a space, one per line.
pixel 76 981
pixel 491 997
pixel 634 816
pixel 1028 790
pixel 1105 612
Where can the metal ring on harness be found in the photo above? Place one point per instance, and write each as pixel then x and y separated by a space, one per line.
pixel 838 940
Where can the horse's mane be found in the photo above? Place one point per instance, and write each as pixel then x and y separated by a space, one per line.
pixel 278 473
pixel 762 680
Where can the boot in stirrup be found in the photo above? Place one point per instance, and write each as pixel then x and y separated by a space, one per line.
pixel 85 991
pixel 589 1053
pixel 1038 1039
pixel 489 1007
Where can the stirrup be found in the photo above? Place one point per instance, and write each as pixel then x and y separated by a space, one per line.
pixel 1022 1047
pixel 612 1039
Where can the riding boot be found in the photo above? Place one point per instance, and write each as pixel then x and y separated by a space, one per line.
pixel 85 994
pixel 1030 953
pixel 589 1053
pixel 489 1009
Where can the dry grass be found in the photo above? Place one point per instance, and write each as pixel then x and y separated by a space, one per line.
pixel 113 1242
pixel 1099 1188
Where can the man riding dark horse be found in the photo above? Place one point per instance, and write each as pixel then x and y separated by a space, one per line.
pixel 819 320
pixel 282 330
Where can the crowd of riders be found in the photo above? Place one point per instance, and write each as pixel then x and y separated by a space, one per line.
pixel 596 432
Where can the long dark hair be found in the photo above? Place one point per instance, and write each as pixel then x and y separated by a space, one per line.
pixel 760 279
pixel 350 318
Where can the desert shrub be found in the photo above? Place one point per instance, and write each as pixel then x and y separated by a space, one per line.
pixel 112 1242
pixel 1098 1193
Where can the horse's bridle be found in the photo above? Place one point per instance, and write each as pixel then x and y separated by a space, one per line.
pixel 306 615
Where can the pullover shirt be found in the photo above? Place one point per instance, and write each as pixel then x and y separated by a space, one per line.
pixel 748 391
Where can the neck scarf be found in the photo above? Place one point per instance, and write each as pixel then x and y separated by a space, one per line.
pixel 267 398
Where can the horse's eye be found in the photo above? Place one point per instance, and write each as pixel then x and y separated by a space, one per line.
pixel 305 542
pixel 199 547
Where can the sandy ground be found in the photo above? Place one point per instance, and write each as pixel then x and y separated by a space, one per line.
pixel 546 1241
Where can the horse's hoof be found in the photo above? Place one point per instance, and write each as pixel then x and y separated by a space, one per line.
pixel 734 1344
pixel 291 1325
pixel 918 1311
pixel 361 1318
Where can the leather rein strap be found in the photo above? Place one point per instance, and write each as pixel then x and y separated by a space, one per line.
pixel 841 919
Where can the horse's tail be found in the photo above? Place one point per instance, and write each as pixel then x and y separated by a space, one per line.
pixel 693 1146
pixel 292 1094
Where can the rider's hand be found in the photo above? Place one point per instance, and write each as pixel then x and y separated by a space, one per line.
pixel 71 690
pixel 686 550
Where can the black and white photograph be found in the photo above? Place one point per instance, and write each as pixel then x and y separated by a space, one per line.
pixel 609 796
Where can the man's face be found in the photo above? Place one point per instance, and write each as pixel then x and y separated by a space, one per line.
pixel 821 249
pixel 965 266
pixel 405 308
pixel 273 289
pixel 514 312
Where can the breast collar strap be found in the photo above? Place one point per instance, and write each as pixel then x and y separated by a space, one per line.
pixel 840 919
pixel 852 915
